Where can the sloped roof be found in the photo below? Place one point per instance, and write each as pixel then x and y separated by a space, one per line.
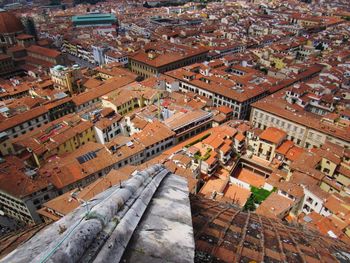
pixel 223 233
pixel 147 219
pixel 9 23
pixel 273 135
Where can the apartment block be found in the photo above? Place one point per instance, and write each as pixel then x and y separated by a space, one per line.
pixel 265 145
pixel 188 124
pixel 61 136
pixel 44 57
pixel 21 191
pixel 67 79
pixel 107 125
pixel 26 121
pixel 159 57
pixel 237 90
pixel 304 128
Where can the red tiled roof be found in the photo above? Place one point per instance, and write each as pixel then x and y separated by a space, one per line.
pixel 274 205
pixel 9 23
pixel 251 178
pixel 237 194
pixel 164 56
pixel 276 104
pixel 44 51
pixel 24 36
pixel 21 118
pixel 225 109
pixel 285 147
pixel 273 135
pixel 15 182
pixel 224 233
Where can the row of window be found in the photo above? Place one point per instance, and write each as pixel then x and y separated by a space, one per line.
pixel 111 135
pixel 261 118
pixel 17 214
pixel 11 204
pixel 194 132
pixel 29 123
pixel 159 149
pixel 279 122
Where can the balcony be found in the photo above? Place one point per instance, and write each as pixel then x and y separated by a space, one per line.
pixel 213 167
pixel 226 158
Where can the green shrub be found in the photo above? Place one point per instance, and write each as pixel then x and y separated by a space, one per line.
pixel 250 204
pixel 260 194
pixel 197 141
pixel 198 155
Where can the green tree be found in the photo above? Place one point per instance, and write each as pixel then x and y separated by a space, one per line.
pixel 250 204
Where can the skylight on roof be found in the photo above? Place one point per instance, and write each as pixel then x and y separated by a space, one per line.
pixel 87 157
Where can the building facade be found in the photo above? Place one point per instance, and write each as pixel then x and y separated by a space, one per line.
pixel 298 132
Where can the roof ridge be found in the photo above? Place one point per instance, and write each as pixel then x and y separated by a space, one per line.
pixel 112 213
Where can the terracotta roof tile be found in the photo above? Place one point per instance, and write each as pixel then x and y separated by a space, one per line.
pixel 273 135
pixel 224 232
pixel 9 23
pixel 43 51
